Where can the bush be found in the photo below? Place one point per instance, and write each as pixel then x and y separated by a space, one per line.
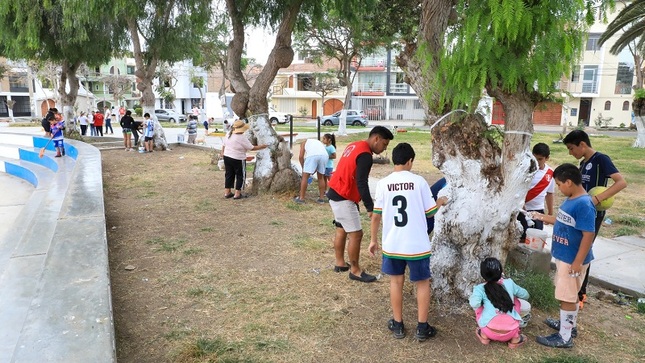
pixel 303 111
pixel 138 111
pixel 539 286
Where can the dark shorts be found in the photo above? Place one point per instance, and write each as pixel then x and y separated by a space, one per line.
pixel 126 131
pixel 148 138
pixel 419 269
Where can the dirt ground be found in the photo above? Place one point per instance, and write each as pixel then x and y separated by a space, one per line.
pixel 199 278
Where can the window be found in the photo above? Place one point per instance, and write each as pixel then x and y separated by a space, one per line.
pixel 608 106
pixel 306 82
pixel 97 69
pixel 624 73
pixel 626 106
pixel 575 73
pixel 130 70
pixel 592 42
pixel 574 112
pixel 590 79
pixel 18 82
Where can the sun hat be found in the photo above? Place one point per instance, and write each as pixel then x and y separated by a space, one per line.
pixel 239 127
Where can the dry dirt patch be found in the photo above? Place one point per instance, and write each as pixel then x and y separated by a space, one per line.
pixel 218 280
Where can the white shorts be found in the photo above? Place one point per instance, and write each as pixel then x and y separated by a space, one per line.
pixel 567 287
pixel 346 213
pixel 315 163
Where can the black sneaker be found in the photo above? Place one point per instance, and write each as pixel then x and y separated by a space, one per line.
pixel 397 328
pixel 555 324
pixel 555 341
pixel 424 332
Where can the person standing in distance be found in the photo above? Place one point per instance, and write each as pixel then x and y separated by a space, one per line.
pixel 348 186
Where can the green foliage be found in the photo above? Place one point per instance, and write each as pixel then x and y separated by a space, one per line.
pixel 303 111
pixel 510 45
pixel 60 30
pixel 138 111
pixel 567 359
pixel 639 94
pixel 539 286
pixel 629 221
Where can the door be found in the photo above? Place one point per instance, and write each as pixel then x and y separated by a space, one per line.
pixel 314 109
pixel 332 106
pixel 585 111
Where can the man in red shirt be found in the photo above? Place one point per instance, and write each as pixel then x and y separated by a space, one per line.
pixel 347 187
pixel 98 123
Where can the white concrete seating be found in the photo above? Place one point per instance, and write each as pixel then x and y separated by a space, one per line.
pixel 55 303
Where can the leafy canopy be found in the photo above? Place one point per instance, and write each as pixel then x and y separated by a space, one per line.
pixel 60 30
pixel 510 45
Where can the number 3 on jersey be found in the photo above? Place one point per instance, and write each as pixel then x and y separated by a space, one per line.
pixel 401 219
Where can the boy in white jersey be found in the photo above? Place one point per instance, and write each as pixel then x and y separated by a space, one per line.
pixel 403 202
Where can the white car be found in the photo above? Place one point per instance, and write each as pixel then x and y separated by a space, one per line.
pixel 277 117
pixel 169 115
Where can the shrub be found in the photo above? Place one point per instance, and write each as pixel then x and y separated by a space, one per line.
pixel 303 111
pixel 138 111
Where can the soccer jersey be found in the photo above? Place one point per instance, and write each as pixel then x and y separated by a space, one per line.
pixel 404 200
pixel 596 171
pixel 541 184
pixel 575 216
pixel 150 128
pixel 57 131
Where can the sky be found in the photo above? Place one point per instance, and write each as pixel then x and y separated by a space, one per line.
pixel 259 43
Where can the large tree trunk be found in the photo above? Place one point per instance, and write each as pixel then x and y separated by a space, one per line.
pixel 68 98
pixel 146 73
pixel 486 187
pixel 639 117
pixel 420 74
pixel 273 171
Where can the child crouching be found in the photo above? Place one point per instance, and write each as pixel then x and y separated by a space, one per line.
pixel 497 306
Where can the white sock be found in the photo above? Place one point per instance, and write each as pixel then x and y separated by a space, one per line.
pixel 575 317
pixel 566 323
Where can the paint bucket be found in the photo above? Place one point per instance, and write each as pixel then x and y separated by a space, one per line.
pixel 535 239
pixel 180 138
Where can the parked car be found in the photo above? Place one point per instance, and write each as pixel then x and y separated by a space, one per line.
pixel 277 117
pixel 354 118
pixel 169 115
pixel 375 112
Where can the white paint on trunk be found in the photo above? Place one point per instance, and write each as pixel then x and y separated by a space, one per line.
pixel 640 129
pixel 342 123
pixel 159 135
pixel 265 134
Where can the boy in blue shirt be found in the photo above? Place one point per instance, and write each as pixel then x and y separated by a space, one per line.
pixel 596 168
pixel 573 234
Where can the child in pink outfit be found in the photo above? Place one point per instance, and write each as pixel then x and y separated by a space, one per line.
pixel 497 306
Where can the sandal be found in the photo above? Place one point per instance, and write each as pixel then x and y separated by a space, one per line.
pixel 241 197
pixel 519 342
pixel 229 195
pixel 484 340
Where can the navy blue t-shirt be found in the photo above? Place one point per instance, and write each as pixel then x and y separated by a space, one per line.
pixel 596 171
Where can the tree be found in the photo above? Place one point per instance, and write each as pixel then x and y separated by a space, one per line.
pixel 346 39
pixel 516 50
pixel 171 32
pixel 273 171
pixel 63 34
pixel 631 22
pixel 326 83
pixel 118 86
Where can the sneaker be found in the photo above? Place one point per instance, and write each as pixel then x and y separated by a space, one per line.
pixel 397 328
pixel 425 331
pixel 555 341
pixel 555 324
pixel 320 201
pixel 582 301
pixel 297 200
pixel 525 320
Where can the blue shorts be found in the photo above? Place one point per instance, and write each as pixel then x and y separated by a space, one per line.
pixel 315 163
pixel 328 171
pixel 58 143
pixel 419 269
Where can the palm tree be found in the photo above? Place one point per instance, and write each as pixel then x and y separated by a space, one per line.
pixel 631 20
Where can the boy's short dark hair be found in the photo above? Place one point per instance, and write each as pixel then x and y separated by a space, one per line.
pixel 541 149
pixel 575 137
pixel 566 172
pixel 402 153
pixel 146 115
pixel 382 131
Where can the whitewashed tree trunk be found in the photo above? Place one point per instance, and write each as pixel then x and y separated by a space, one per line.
pixel 486 186
pixel 342 122
pixel 159 135
pixel 273 170
pixel 640 131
